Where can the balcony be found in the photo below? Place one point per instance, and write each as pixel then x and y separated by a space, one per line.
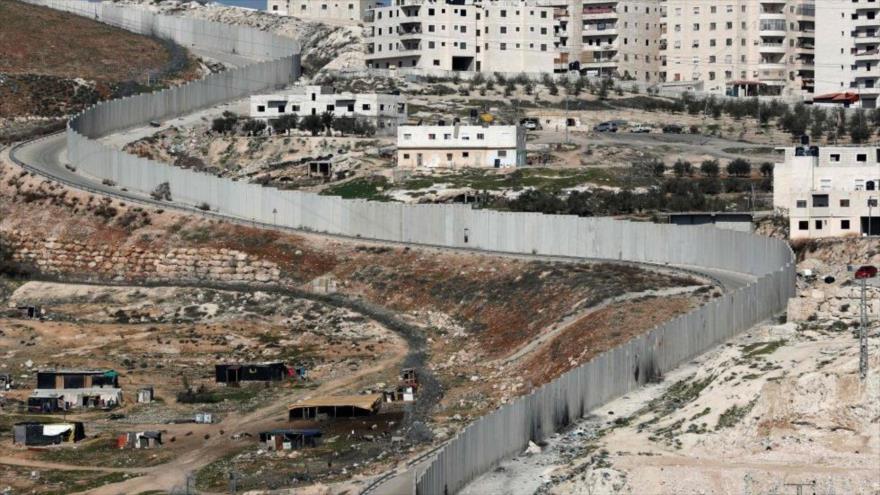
pixel 772 48
pixel 865 22
pixel 865 37
pixel 594 13
pixel 865 71
pixel 867 55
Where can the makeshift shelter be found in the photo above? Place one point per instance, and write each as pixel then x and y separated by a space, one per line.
pixel 145 395
pixel 43 400
pixel 64 379
pixel 290 439
pixel 38 434
pixel 256 372
pixel 139 440
pixel 338 406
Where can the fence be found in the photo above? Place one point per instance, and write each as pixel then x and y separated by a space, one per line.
pixel 532 417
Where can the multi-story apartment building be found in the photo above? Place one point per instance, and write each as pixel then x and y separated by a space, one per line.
pixel 829 191
pixel 740 46
pixel 468 35
pixel 641 39
pixel 461 146
pixel 345 10
pixel 385 112
pixel 848 49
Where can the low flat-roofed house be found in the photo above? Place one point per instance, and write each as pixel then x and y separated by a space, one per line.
pixel 233 373
pixel 829 191
pixel 460 146
pixel 41 434
pixel 290 439
pixel 336 406
pixel 70 378
pixel 385 112
pixel 52 400
pixel 333 10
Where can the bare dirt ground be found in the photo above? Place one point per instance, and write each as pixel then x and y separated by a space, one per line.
pixel 486 308
pixel 44 77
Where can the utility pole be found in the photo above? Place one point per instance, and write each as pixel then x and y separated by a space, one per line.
pixel 863 334
pixel 862 275
pixel 566 118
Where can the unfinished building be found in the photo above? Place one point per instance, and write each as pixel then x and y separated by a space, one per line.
pixel 337 406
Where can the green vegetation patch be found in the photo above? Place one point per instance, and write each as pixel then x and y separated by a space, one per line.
pixel 761 348
pixel 371 188
pixel 733 415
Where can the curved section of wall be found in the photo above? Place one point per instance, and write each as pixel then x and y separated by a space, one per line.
pixel 506 431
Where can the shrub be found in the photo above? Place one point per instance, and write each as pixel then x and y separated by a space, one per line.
pixel 162 192
pixel 739 167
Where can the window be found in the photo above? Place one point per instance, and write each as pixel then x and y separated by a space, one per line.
pixel 481 136
pixel 436 62
pixel 844 203
pixel 835 157
pixel 351 107
pixel 430 44
pixel 449 157
pixel 406 156
pixel 502 153
pixel 465 154
pixel 261 108
pixel 819 224
pixel 432 137
pixel 803 225
pixel 503 13
pixel 330 108
pixel 503 29
pixel 447 136
pixel 294 108
pixel 844 225
pixel 820 201
pixel 861 157
pixel 503 46
pixel 407 137
pixel 365 106
pixel 802 203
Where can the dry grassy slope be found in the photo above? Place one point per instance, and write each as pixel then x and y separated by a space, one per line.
pixel 36 40
pixel 498 303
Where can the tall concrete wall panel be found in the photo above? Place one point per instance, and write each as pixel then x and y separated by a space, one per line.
pixel 506 431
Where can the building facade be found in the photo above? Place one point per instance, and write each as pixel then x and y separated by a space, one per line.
pixel 471 35
pixel 847 43
pixel 829 191
pixel 385 112
pixel 460 146
pixel 740 47
pixel 340 10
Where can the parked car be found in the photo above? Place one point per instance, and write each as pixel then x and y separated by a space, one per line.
pixel 606 127
pixel 530 124
pixel 618 122
pixel 673 129
pixel 640 128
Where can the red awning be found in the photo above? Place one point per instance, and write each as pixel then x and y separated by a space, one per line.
pixel 846 97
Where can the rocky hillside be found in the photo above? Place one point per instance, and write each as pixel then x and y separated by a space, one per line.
pixel 337 46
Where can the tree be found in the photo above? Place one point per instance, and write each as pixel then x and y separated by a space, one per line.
pixel 253 127
pixel 659 168
pixel 710 168
pixel 345 125
pixel 858 127
pixel 682 168
pixel 327 121
pixel 841 123
pixel 767 169
pixel 739 167
pixel 284 123
pixel 553 89
pixel 529 88
pixel 312 124
pixel 224 124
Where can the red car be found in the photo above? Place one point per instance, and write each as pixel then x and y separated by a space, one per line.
pixel 866 271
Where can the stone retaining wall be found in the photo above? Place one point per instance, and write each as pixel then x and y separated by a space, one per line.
pixel 52 256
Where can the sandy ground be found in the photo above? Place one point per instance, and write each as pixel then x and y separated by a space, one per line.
pixel 748 417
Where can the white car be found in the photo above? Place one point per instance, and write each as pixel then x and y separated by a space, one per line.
pixel 640 128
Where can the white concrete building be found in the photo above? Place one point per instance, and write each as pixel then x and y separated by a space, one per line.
pixel 460 146
pixel 385 112
pixel 848 49
pixel 829 191
pixel 474 35
pixel 339 10
pixel 742 47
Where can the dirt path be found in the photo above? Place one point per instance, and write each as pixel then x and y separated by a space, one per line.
pixel 410 351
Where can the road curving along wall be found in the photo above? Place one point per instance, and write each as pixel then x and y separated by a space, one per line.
pixel 505 432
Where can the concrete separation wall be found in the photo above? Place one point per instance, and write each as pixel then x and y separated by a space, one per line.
pixel 505 432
